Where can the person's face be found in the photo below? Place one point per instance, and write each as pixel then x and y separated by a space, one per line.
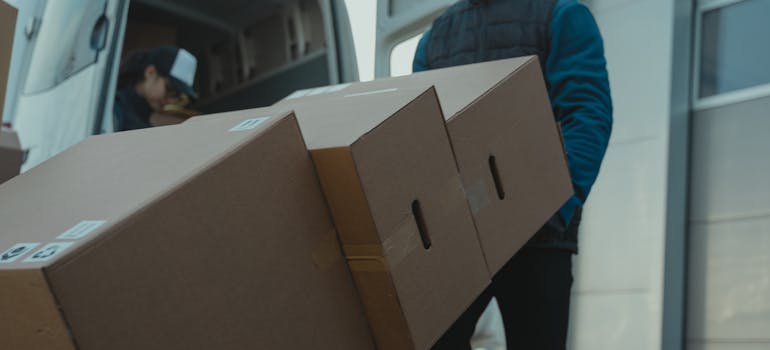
pixel 156 89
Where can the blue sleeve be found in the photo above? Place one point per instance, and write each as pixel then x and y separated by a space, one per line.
pixel 580 95
pixel 420 62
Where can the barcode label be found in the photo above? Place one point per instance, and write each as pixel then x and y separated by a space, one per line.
pixel 249 124
pixel 81 229
pixel 317 91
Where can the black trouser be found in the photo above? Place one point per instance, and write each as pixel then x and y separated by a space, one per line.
pixel 533 293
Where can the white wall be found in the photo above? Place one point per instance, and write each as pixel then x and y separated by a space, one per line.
pixel 618 291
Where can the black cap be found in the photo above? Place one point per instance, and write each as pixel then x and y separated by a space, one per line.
pixel 176 63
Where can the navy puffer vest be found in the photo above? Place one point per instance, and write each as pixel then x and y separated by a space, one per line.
pixel 473 31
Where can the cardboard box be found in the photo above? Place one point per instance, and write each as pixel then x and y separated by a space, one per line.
pixel 389 176
pixel 8 15
pixel 507 145
pixel 11 155
pixel 208 236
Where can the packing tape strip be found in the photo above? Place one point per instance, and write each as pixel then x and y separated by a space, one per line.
pixel 405 239
pixel 478 196
pixel 327 252
pixel 365 257
pixel 372 257
pixel 376 264
pixel 356 251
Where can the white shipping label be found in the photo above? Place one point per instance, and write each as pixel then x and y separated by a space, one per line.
pixel 318 91
pixel 16 252
pixel 48 252
pixel 81 229
pixel 338 87
pixel 298 94
pixel 249 124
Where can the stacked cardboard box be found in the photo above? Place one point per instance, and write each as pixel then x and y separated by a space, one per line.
pixel 207 236
pixel 215 233
pixel 507 145
pixel 389 176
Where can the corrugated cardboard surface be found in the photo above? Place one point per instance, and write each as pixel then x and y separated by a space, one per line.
pixel 457 87
pixel 524 140
pixel 498 109
pixel 7 29
pixel 376 153
pixel 214 239
pixel 10 155
pixel 408 158
pixel 30 319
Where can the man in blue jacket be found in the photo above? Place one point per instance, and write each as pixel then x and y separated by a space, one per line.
pixel 533 289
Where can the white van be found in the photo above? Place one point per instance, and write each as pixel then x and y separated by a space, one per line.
pixel 251 53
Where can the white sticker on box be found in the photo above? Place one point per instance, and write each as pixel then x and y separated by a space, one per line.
pixel 372 92
pixel 16 252
pixel 81 229
pixel 320 90
pixel 249 124
pixel 338 87
pixel 298 94
pixel 317 91
pixel 48 252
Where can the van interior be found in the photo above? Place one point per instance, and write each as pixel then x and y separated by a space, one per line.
pixel 251 53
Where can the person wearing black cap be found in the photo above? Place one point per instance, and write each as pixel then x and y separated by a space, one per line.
pixel 148 81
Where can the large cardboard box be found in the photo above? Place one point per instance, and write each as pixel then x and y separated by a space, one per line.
pixel 8 15
pixel 208 236
pixel 389 176
pixel 11 155
pixel 507 145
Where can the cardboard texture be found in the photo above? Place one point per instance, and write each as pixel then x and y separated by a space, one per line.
pixel 207 236
pixel 505 140
pixel 8 15
pixel 386 166
pixel 11 155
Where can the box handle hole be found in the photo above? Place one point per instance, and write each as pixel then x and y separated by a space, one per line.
pixel 496 177
pixel 417 212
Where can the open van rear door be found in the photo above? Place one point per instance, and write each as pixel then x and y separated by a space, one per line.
pixel 397 22
pixel 71 49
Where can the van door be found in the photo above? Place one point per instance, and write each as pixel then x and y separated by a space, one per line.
pixel 400 24
pixel 72 65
